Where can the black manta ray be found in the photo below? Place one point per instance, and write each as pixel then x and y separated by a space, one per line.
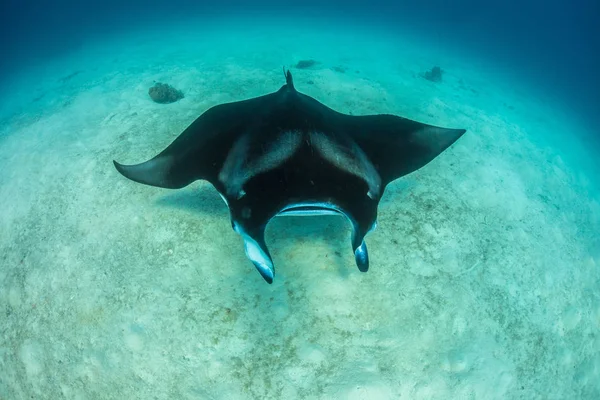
pixel 286 153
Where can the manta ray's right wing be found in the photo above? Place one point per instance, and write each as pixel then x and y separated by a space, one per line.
pixel 198 153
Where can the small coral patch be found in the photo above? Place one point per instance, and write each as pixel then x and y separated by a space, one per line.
pixel 305 64
pixel 164 94
pixel 433 75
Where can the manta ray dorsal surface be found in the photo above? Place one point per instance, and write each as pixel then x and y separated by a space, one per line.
pixel 285 153
pixel 239 168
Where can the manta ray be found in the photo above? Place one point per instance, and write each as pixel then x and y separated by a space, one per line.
pixel 286 153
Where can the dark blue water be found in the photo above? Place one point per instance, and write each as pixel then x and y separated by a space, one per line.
pixel 554 44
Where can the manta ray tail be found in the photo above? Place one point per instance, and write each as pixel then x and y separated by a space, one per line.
pixel 288 79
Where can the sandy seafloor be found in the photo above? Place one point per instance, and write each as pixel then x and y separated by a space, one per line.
pixel 485 268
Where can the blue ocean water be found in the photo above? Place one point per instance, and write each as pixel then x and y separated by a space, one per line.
pixel 554 45
pixel 485 274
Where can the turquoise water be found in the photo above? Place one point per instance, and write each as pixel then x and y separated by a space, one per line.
pixel 485 266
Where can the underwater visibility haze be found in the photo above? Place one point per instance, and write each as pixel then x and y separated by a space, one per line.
pixel 483 274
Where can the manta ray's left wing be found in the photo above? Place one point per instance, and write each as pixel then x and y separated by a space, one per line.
pixel 398 146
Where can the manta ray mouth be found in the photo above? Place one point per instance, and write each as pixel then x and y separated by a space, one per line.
pixel 310 209
pixel 257 252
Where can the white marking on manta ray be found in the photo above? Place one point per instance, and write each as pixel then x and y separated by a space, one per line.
pixel 307 213
pixel 255 253
pixel 237 170
pixel 318 208
pixel 348 158
pixel 233 164
pixel 224 199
